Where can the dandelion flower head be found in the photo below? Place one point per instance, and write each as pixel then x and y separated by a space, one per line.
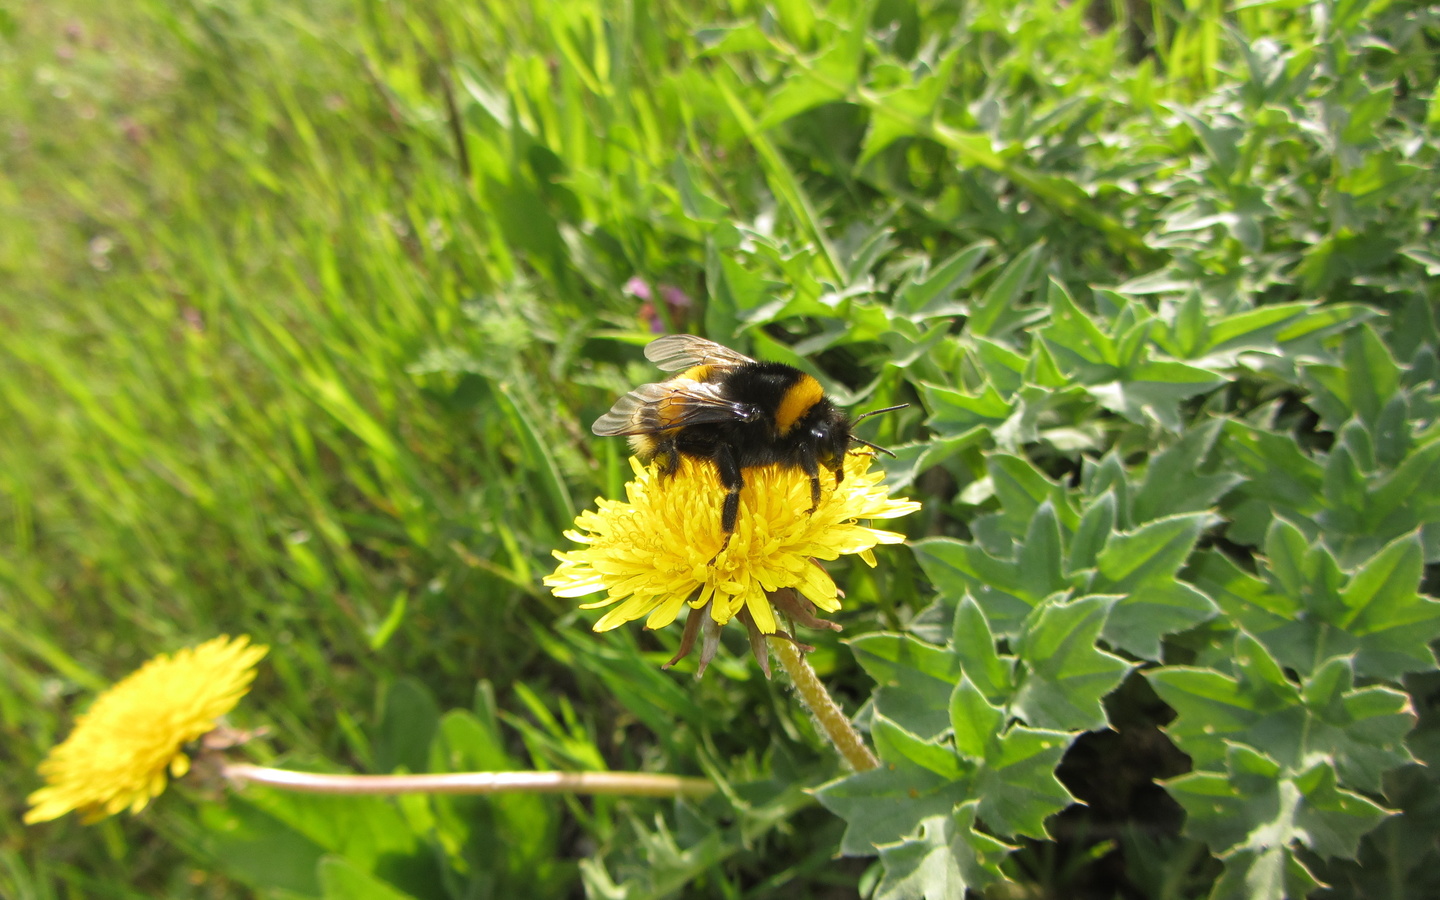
pixel 123 747
pixel 655 553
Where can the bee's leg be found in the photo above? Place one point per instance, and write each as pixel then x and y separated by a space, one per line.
pixel 807 463
pixel 733 480
pixel 669 455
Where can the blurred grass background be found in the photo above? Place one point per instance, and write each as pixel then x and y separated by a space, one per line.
pixel 306 308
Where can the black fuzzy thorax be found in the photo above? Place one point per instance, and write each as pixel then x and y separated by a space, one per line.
pixel 765 386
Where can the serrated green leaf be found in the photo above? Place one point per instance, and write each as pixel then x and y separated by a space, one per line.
pixel 944 859
pixel 1277 471
pixel 1040 560
pixel 975 722
pixel 884 805
pixel 1267 614
pixel 1021 488
pixel 1285 548
pixel 1361 731
pixel 1173 482
pixel 1149 613
pixel 1153 391
pixel 915 680
pixel 1332 820
pixel 974 643
pixel 933 294
pixel 1096 524
pixel 1078 343
pixel 903 112
pixel 1067 674
pixel 1269 874
pixel 1142 566
pixel 1365 380
pixel 1017 785
pixel 1344 490
pixel 955 568
pixel 1153 552
pixel 1210 707
pixel 895 745
pixel 1253 329
pixel 1218 813
pixel 1394 623
pixel 995 313
pixel 954 413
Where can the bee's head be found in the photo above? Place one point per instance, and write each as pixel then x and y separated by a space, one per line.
pixel 831 438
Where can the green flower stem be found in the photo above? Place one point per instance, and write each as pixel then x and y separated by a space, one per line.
pixel 823 707
pixel 634 784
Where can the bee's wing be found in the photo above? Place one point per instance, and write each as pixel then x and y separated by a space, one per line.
pixel 675 352
pixel 653 408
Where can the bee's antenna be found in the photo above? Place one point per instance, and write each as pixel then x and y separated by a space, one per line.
pixel 876 412
pixel 873 446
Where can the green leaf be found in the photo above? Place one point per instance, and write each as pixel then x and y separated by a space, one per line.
pixel 1080 346
pixel 1267 874
pixel 408 721
pixel 933 292
pixel 884 805
pixel 894 744
pixel 1096 524
pixel 1210 708
pixel 1068 675
pixel 915 680
pixel 1265 613
pixel 1149 613
pixel 1277 471
pixel 1152 391
pixel 1218 813
pixel 1017 785
pixel 1142 566
pixel 1040 560
pixel 1394 623
pixel 957 568
pixel 975 722
pixel 823 79
pixel 1364 381
pixel 1332 820
pixel 1155 551
pixel 258 849
pixel 1173 481
pixel 944 859
pixel 995 313
pixel 904 111
pixel 340 879
pixel 974 643
pixel 1361 731
pixel 369 832
pixel 954 413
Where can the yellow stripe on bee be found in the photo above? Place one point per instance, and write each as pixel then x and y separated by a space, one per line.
pixel 800 397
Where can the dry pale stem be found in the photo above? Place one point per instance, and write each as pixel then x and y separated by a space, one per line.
pixel 634 784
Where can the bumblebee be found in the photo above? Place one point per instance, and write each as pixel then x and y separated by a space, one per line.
pixel 735 413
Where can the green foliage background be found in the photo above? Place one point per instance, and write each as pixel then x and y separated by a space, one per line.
pixel 307 306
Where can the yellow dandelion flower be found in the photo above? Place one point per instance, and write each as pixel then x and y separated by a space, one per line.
pixel 655 553
pixel 122 747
